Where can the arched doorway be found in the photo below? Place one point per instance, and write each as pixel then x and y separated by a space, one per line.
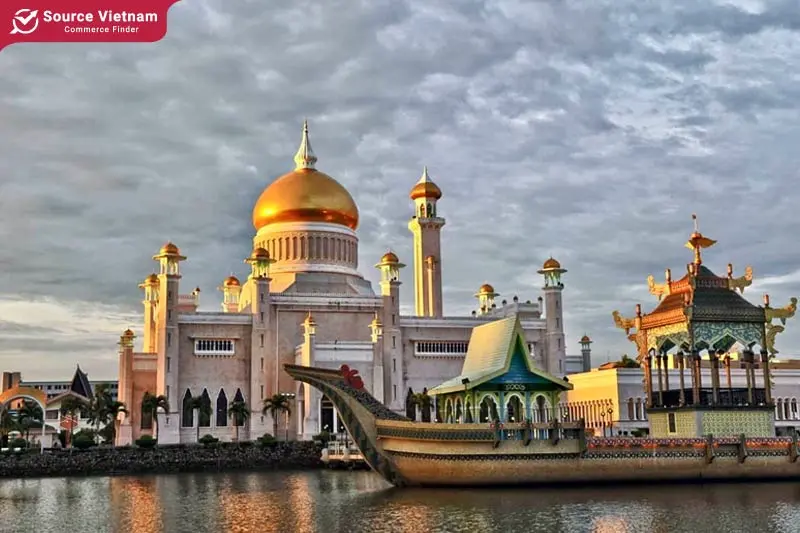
pixel 28 393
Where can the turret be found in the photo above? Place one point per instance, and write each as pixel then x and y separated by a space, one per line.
pixel 426 227
pixel 554 316
pixel 125 392
pixel 263 377
pixel 586 353
pixel 231 288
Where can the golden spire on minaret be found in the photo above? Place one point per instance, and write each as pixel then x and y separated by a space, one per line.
pixel 697 242
pixel 305 158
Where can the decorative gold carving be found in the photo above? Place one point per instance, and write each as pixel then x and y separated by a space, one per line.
pixel 741 282
pixel 640 339
pixel 697 241
pixel 674 332
pixel 772 330
pixel 657 289
pixel 783 313
pixel 623 323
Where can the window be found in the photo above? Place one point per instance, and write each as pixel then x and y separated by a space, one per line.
pixel 169 360
pixel 671 421
pixel 394 365
pixel 394 392
pixel 559 343
pixel 187 414
pixel 393 319
pixel 262 345
pixel 238 397
pixel 441 348
pixel 51 414
pixel 222 409
pixel 169 315
pixel 212 347
pixel 262 316
pixel 394 341
pixel 558 323
pixel 147 419
pixel 169 339
pixel 169 295
pixel 262 364
pixel 204 410
pixel 261 297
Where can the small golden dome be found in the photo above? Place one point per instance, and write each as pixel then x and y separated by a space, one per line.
pixel 151 279
pixel 585 339
pixel 486 289
pixel 260 253
pixel 551 264
pixel 169 249
pixel 390 258
pixel 425 188
pixel 232 281
pixel 305 195
pixel 127 333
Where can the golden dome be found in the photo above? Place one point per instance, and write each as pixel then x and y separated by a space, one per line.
pixel 169 249
pixel 151 279
pixel 390 258
pixel 425 188
pixel 305 195
pixel 585 339
pixel 551 264
pixel 260 253
pixel 486 289
pixel 127 333
pixel 231 281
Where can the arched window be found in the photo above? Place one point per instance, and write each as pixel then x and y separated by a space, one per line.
pixel 541 409
pixel 488 410
pixel 147 419
pixel 631 414
pixel 794 409
pixel 222 409
pixel 204 413
pixel 514 410
pixel 238 397
pixel 187 415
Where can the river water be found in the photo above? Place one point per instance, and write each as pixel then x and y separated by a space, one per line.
pixel 333 501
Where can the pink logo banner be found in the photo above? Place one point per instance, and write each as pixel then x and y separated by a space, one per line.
pixel 83 21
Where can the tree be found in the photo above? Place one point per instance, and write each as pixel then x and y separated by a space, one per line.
pixel 239 412
pixel 30 415
pixel 70 406
pixel 7 423
pixel 152 403
pixel 627 362
pixel 424 402
pixel 103 409
pixel 203 409
pixel 276 404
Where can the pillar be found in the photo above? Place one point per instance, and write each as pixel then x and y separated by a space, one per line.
pixel 767 384
pixel 714 377
pixel 682 398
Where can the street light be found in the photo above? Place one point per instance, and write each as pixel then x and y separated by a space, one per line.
pixel 290 396
pixel 610 413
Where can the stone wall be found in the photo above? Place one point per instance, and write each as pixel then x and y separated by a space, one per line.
pixel 164 459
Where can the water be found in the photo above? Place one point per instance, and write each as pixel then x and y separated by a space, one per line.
pixel 333 501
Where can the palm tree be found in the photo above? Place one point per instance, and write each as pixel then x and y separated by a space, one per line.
pixel 239 412
pixel 7 423
pixel 277 403
pixel 99 412
pixel 29 416
pixel 152 403
pixel 114 408
pixel 70 406
pixel 203 409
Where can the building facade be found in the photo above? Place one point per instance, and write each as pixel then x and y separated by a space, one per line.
pixel 306 302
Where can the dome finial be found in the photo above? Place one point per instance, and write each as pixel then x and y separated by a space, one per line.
pixel 304 158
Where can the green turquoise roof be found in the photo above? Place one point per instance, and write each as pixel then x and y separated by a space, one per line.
pixel 489 357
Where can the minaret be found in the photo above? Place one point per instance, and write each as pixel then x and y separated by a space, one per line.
pixel 486 296
pixel 231 288
pixel 554 316
pixel 426 227
pixel 309 401
pixel 393 388
pixel 586 352
pixel 261 343
pixel 167 369
pixel 150 287
pixel 376 334
pixel 125 394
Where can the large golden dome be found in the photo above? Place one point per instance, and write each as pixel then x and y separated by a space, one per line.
pixel 305 195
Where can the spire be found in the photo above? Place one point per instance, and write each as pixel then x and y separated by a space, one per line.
pixel 304 158
pixel 697 242
pixel 424 178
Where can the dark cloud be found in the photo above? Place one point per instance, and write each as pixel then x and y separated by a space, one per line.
pixel 587 131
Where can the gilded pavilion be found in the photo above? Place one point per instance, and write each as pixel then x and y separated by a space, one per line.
pixel 703 312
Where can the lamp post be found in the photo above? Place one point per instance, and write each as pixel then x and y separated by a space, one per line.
pixel 610 414
pixel 290 396
pixel 603 422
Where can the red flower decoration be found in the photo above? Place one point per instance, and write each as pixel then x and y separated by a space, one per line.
pixel 351 377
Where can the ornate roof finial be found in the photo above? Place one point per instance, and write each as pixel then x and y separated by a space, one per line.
pixel 305 158
pixel 697 242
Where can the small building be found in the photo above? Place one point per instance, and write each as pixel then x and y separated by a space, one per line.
pixel 704 316
pixel 498 381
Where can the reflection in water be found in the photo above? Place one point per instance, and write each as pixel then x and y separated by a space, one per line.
pixel 329 501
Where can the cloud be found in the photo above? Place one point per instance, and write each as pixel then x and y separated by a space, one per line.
pixel 589 132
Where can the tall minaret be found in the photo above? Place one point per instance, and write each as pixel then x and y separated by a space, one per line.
pixel 426 227
pixel 169 258
pixel 393 387
pixel 262 367
pixel 150 286
pixel 586 353
pixel 554 317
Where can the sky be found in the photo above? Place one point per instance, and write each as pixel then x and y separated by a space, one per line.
pixel 589 131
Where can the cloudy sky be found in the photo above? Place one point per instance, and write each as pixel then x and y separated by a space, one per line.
pixel 586 130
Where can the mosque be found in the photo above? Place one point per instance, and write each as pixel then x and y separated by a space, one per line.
pixel 306 302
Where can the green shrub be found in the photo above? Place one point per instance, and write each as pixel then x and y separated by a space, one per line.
pixel 323 437
pixel 267 441
pixel 639 433
pixel 82 441
pixel 208 440
pixel 146 441
pixel 18 443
